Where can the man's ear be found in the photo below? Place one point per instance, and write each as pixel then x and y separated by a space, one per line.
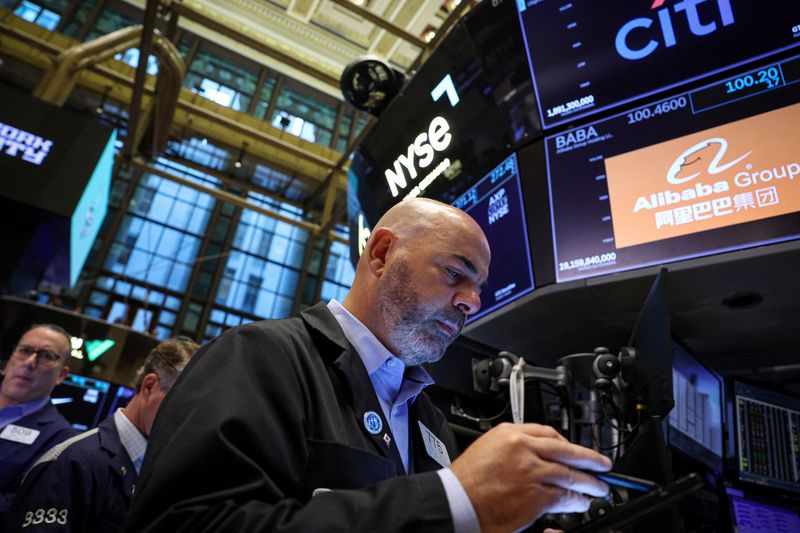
pixel 62 374
pixel 381 241
pixel 150 382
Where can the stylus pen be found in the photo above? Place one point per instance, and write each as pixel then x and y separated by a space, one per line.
pixel 628 482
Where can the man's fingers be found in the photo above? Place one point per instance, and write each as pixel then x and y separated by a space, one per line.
pixel 564 477
pixel 539 430
pixel 572 455
pixel 563 501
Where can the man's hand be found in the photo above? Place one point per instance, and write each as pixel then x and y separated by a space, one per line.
pixel 515 473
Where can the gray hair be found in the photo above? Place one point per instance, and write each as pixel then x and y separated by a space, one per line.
pixel 56 329
pixel 167 360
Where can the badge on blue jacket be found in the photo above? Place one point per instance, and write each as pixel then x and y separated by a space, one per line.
pixel 373 422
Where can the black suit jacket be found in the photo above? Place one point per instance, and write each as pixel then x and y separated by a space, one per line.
pixel 264 416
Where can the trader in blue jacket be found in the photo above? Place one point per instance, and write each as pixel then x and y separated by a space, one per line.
pixel 29 424
pixel 86 482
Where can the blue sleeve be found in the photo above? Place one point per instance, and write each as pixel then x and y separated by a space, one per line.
pixel 464 518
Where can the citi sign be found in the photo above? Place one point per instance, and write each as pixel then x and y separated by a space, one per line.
pixel 664 25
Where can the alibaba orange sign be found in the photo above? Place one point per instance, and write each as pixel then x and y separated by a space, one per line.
pixel 743 171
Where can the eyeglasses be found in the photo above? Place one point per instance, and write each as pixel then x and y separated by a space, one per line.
pixel 43 356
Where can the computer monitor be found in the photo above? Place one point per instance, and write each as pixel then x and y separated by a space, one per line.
pixel 82 400
pixel 648 377
pixel 752 515
pixel 695 423
pixel 120 398
pixel 85 401
pixel 767 435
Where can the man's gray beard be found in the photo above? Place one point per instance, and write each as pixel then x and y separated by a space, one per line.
pixel 414 333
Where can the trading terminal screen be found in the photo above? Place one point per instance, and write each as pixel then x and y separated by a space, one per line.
pixel 767 437
pixel 710 170
pixel 581 51
pixel 85 401
pixel 756 516
pixel 695 423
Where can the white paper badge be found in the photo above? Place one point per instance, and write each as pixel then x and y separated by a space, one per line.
pixel 19 434
pixel 373 422
pixel 434 446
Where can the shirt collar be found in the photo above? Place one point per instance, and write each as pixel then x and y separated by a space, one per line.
pixel 131 438
pixel 371 351
pixel 12 413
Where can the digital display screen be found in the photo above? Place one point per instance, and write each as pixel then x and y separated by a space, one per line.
pixel 586 56
pixel 85 401
pixel 695 423
pixel 466 109
pixel 756 516
pixel 767 437
pixel 710 170
pixel 81 400
pixel 495 202
pixel 91 210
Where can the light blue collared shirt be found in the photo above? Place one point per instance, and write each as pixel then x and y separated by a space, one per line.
pixel 130 437
pixel 397 387
pixel 12 413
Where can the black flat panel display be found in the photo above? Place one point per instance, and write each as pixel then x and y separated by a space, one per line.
pixel 85 401
pixel 710 170
pixel 495 202
pixel 767 437
pixel 588 55
pixel 695 423
pixel 467 108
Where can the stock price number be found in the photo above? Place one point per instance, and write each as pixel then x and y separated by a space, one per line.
pixel 769 77
pixel 587 262
pixel 586 101
pixel 661 108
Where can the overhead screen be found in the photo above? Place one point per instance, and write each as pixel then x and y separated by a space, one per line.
pixel 705 171
pixel 495 202
pixel 587 56
pixel 451 135
pixel 56 167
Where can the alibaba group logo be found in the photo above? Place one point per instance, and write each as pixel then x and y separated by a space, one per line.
pixel 692 158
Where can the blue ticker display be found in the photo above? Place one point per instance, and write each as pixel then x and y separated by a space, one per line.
pixel 495 202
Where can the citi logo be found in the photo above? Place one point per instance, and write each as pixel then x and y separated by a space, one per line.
pixel 664 22
pixel 691 160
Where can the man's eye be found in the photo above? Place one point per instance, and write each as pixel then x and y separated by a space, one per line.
pixel 453 274
pixel 49 356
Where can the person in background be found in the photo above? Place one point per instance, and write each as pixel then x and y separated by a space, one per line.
pixel 29 423
pixel 320 423
pixel 86 482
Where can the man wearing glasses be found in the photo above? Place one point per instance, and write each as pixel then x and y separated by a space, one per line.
pixel 29 424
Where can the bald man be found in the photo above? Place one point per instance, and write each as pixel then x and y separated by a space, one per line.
pixel 319 423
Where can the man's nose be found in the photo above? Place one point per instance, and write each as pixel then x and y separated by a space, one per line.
pixel 468 300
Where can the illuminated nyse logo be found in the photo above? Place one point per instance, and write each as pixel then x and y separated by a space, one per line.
pixel 421 153
pixel 27 146
pixel 697 26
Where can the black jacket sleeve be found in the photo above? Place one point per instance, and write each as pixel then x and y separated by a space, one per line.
pixel 233 448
